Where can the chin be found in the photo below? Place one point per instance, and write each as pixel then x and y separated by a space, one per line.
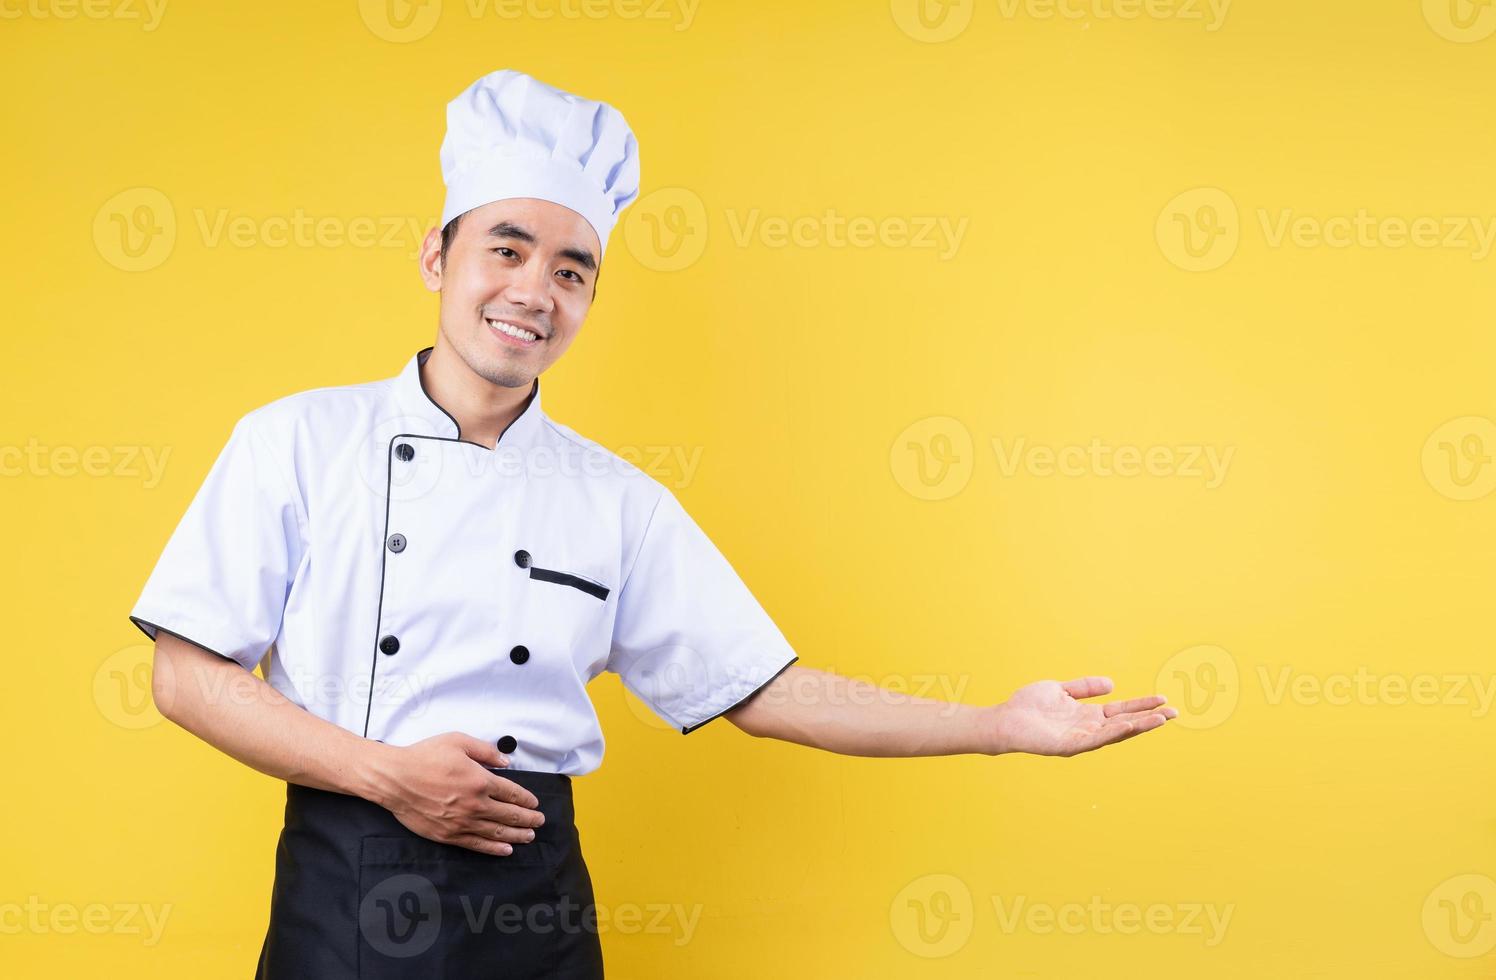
pixel 505 375
pixel 495 368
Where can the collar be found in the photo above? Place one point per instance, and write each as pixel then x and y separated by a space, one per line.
pixel 418 406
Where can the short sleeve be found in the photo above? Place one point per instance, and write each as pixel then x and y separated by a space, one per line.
pixel 689 639
pixel 223 578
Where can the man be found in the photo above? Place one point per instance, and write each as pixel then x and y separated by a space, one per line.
pixel 432 570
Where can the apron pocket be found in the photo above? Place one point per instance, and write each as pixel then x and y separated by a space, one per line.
pixel 429 909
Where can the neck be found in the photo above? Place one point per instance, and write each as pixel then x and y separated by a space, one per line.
pixel 483 410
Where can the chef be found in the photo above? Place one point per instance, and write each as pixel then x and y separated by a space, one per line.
pixel 429 570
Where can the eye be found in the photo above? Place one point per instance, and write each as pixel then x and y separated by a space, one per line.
pixel 572 274
pixel 503 248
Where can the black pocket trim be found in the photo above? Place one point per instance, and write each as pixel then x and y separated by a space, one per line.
pixel 566 578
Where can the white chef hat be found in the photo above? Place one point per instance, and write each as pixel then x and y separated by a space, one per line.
pixel 509 135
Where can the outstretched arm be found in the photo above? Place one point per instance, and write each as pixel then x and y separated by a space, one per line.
pixel 827 711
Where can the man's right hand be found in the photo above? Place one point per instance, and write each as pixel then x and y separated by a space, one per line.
pixel 439 788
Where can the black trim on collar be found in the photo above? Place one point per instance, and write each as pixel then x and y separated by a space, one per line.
pixel 421 356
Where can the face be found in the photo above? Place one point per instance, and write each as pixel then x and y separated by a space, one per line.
pixel 518 266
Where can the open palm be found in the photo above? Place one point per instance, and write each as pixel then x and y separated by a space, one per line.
pixel 1045 718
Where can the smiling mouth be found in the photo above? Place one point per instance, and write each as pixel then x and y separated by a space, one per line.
pixel 519 335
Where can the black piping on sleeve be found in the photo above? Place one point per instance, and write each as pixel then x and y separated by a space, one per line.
pixel 143 623
pixel 691 728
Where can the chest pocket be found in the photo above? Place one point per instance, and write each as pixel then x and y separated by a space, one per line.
pixel 566 576
pixel 564 613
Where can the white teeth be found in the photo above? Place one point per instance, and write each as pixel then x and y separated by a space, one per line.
pixel 513 331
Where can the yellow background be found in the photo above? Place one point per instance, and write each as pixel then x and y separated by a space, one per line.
pixel 1344 839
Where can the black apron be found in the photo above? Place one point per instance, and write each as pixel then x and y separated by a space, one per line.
pixel 358 896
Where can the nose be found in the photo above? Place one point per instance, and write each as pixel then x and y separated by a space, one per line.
pixel 529 286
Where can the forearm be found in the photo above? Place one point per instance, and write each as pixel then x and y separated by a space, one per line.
pixel 238 713
pixel 851 717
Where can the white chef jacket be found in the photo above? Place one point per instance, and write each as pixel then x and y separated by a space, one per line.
pixel 403 582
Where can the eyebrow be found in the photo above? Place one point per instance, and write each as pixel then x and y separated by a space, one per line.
pixel 508 229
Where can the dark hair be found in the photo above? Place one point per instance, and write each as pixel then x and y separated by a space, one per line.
pixel 449 234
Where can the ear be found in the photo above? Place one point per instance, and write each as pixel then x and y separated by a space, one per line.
pixel 430 260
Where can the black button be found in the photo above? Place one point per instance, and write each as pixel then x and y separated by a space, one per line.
pixel 404 453
pixel 519 654
pixel 522 558
pixel 389 644
pixel 396 543
pixel 507 744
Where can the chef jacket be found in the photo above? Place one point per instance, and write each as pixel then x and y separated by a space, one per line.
pixel 402 581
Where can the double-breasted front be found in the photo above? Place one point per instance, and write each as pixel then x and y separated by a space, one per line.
pixel 411 582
